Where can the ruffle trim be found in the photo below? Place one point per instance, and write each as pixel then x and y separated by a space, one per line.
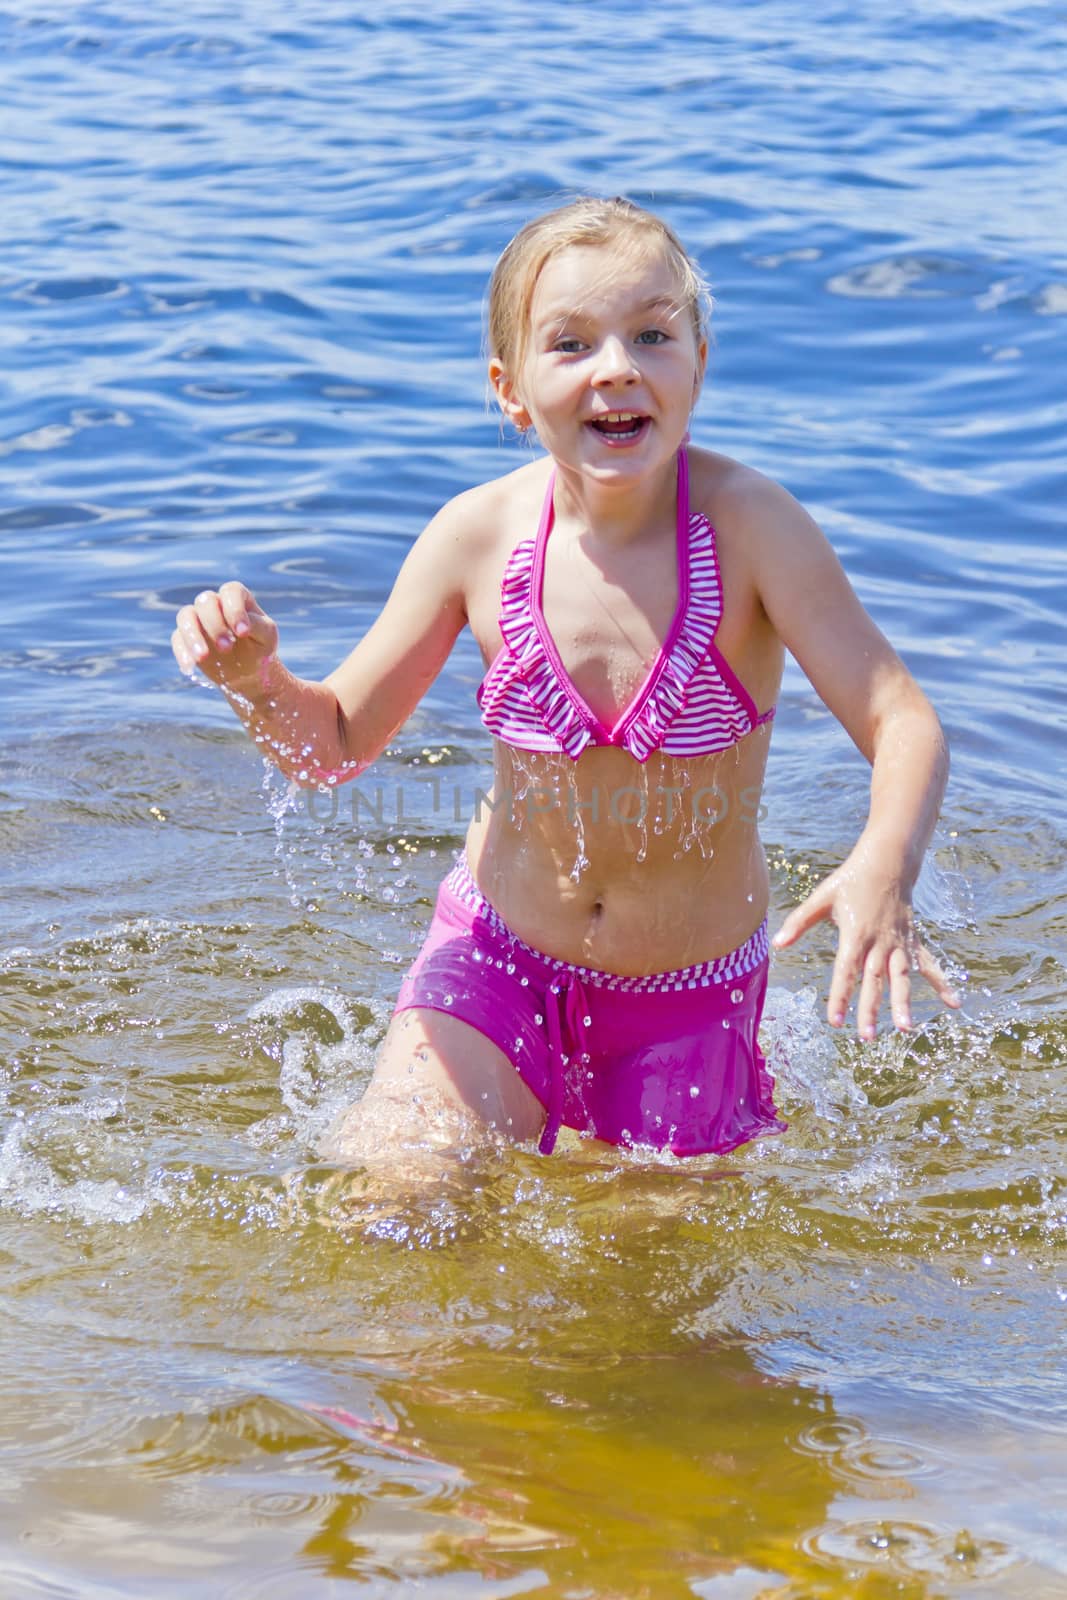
pixel 642 727
pixel 565 719
pixel 648 729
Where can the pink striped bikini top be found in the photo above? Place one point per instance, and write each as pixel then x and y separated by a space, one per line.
pixel 690 704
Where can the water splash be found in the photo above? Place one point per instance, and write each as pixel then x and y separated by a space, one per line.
pixel 576 813
pixel 323 1054
pixel 803 1056
pixel 281 798
pixel 943 894
pixel 642 817
pixel 30 1182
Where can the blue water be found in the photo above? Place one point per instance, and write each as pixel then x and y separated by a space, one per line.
pixel 244 254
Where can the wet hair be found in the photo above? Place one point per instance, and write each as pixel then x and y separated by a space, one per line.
pixel 591 222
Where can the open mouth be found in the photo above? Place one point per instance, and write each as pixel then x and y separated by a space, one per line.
pixel 620 427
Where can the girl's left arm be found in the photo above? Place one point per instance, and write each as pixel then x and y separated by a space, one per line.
pixel 861 679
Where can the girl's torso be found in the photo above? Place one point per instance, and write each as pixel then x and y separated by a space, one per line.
pixel 655 649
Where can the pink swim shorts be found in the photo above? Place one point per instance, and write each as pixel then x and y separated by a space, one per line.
pixel 671 1060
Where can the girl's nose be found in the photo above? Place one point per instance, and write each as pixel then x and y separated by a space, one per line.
pixel 615 364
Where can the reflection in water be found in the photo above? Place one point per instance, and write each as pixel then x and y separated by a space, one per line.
pixel 634 1466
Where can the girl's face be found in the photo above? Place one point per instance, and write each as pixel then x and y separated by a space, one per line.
pixel 612 366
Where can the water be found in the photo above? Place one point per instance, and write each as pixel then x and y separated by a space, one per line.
pixel 244 255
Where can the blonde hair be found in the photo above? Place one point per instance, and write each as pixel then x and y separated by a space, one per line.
pixel 586 221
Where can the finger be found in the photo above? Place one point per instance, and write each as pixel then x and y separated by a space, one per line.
pixel 246 617
pixel 233 602
pixel 182 654
pixel 238 608
pixel 192 634
pixel 842 982
pixel 928 968
pixel 900 988
pixel 816 908
pixel 216 629
pixel 872 986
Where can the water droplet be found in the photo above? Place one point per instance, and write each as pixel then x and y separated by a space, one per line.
pixel 694 1092
pixel 587 1022
pixel 538 1018
pixel 737 995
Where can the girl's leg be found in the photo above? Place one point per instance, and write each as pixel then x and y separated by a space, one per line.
pixel 437 1082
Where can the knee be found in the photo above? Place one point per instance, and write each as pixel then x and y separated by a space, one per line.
pixel 390 1123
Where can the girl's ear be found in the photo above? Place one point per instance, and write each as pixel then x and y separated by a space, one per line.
pixel 508 397
pixel 702 367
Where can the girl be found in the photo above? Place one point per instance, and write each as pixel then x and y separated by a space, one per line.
pixel 633 599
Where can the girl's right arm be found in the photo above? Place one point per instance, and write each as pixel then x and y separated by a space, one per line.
pixel 334 729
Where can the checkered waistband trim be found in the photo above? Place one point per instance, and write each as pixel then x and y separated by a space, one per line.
pixel 736 964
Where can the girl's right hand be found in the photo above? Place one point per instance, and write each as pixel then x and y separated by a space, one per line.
pixel 226 635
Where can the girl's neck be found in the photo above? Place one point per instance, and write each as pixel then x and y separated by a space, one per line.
pixel 618 513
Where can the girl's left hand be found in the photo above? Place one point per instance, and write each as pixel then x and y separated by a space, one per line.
pixel 877 944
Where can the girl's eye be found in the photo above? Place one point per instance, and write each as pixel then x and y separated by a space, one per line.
pixel 568 346
pixel 652 336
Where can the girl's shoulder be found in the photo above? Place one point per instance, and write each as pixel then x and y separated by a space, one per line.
pixel 752 514
pixel 465 548
pixel 729 493
pixel 496 513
